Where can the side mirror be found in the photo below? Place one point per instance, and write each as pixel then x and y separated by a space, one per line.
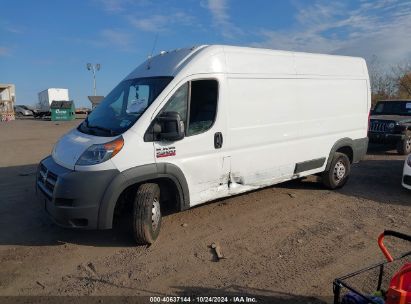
pixel 169 126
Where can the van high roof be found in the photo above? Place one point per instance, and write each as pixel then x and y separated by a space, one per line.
pixel 249 60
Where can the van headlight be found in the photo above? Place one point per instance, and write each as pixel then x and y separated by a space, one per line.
pixel 409 160
pixel 97 154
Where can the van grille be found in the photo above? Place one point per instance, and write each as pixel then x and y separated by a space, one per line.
pixel 407 180
pixel 379 126
pixel 46 180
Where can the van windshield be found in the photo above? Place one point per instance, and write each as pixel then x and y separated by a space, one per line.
pixel 120 109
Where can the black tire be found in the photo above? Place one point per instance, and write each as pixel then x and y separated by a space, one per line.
pixel 404 146
pixel 147 214
pixel 338 173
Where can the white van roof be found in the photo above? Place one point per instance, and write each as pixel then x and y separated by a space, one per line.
pixel 247 60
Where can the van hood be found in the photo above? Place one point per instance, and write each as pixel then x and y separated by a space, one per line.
pixel 71 146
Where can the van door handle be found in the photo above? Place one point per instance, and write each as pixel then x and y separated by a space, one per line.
pixel 218 140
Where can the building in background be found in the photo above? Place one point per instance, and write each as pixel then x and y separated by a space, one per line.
pixel 7 101
pixel 95 100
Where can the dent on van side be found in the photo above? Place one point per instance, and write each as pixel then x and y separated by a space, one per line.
pixel 197 124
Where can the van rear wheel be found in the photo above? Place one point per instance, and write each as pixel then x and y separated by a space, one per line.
pixel 337 175
pixel 147 214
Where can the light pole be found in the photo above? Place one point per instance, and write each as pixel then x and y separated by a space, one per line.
pixel 94 68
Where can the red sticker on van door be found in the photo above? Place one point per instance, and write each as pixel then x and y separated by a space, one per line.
pixel 165 152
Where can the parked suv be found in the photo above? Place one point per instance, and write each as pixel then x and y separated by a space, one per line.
pixel 390 123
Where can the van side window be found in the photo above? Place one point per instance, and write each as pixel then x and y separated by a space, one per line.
pixel 178 103
pixel 203 106
pixel 200 97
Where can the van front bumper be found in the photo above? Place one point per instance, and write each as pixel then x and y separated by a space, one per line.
pixel 71 198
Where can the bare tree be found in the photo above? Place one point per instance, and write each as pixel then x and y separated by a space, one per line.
pixel 402 76
pixel 389 83
pixel 382 83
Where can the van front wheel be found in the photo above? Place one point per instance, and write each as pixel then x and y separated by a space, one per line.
pixel 147 214
pixel 337 175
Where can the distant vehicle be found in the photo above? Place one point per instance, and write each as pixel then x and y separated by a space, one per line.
pixel 82 110
pixel 22 110
pixel 33 109
pixel 46 97
pixel 390 123
pixel 406 176
pixel 197 124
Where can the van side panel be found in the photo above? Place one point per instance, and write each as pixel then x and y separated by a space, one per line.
pixel 279 122
pixel 258 61
pixel 263 129
pixel 326 65
pixel 333 108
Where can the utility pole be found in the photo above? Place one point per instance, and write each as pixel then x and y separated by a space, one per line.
pixel 94 68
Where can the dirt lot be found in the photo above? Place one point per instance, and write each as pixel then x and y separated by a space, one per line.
pixel 285 242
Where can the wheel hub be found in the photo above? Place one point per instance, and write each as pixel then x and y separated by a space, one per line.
pixel 339 171
pixel 155 214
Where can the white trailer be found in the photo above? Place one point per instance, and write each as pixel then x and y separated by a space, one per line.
pixel 194 125
pixel 46 97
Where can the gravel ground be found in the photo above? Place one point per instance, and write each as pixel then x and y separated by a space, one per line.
pixel 283 244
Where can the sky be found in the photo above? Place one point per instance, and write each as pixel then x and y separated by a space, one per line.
pixel 47 43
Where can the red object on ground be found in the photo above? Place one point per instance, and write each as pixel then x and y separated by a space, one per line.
pixel 400 287
pixel 383 249
pixel 399 291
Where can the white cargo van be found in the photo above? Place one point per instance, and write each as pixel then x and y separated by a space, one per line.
pixel 193 125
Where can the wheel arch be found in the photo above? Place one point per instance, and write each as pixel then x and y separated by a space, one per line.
pixel 137 175
pixel 344 145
